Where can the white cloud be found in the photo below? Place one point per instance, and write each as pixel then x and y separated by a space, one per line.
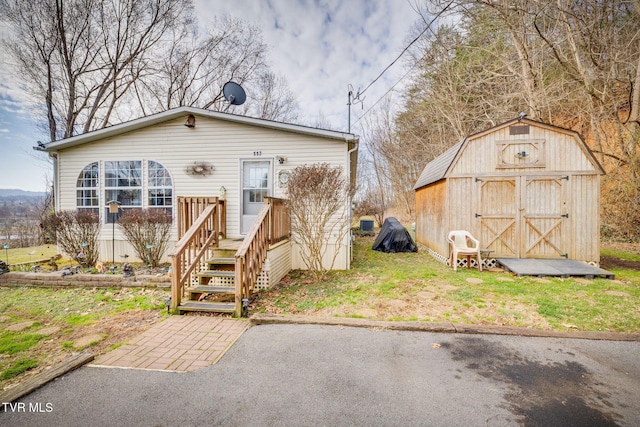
pixel 323 46
pixel 320 46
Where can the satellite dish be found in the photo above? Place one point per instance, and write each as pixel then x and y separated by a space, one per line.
pixel 234 93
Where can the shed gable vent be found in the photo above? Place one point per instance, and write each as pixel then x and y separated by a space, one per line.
pixel 519 130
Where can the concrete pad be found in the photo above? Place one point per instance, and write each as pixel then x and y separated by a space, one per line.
pixel 552 267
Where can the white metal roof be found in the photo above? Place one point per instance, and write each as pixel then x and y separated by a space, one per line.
pixel 185 111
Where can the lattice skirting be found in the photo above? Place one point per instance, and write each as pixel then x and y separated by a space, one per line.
pixel 263 280
pixel 462 262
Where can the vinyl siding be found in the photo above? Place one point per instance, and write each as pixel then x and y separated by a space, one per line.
pixel 220 143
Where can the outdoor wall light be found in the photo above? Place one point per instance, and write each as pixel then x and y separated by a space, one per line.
pixel 521 154
pixel 191 121
pixel 281 159
pixel 223 193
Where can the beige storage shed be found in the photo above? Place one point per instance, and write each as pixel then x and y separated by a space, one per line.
pixel 525 189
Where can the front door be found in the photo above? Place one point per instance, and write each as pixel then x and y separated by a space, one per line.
pixel 256 185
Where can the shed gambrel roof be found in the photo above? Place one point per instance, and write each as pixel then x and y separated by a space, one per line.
pixel 436 169
pixel 178 112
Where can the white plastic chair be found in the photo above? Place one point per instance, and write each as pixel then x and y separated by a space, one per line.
pixel 461 242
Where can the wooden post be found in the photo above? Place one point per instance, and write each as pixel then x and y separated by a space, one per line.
pixel 239 279
pixel 176 287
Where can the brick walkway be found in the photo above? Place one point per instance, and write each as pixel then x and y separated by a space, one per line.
pixel 180 343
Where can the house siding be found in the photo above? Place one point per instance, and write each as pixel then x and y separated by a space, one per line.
pixel 217 142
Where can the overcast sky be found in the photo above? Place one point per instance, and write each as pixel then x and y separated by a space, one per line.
pixel 320 47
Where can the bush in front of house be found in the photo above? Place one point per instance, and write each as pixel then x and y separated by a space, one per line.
pixel 318 199
pixel 76 233
pixel 147 230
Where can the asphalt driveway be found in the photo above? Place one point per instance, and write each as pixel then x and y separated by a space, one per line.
pixel 313 375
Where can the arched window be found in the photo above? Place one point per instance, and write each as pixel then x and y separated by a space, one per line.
pixel 123 183
pixel 160 187
pixel 87 188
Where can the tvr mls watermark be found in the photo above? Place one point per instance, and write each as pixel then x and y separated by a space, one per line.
pixel 27 407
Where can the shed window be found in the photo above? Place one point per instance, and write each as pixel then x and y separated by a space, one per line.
pixel 519 130
pixel 87 188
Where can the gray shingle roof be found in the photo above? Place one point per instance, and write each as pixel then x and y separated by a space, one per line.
pixel 437 168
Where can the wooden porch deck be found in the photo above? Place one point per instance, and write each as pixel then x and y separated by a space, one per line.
pixel 230 244
pixel 552 267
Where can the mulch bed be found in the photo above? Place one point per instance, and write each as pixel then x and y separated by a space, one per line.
pixel 612 262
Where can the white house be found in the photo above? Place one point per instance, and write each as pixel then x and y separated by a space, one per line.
pixel 185 159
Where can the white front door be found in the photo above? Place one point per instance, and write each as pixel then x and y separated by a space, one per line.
pixel 256 185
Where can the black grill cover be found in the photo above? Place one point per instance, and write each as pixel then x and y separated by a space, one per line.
pixel 394 237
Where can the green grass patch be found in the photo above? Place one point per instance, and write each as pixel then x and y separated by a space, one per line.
pixel 75 306
pixel 18 367
pixel 81 320
pixel 620 254
pixel 73 311
pixel 67 345
pixel 19 255
pixel 15 342
pixel 408 286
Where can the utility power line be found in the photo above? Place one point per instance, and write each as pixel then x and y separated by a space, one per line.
pixel 357 96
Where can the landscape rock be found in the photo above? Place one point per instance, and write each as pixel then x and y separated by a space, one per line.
pixel 20 326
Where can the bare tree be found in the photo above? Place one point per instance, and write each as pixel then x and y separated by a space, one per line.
pixel 395 164
pixel 82 56
pixel 196 68
pixel 318 198
pixel 92 63
pixel 273 99
pixel 574 64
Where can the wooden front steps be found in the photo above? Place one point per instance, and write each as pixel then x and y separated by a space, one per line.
pixel 202 223
pixel 215 290
pixel 207 307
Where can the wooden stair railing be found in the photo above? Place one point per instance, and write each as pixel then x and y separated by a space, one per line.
pixel 250 257
pixel 279 220
pixel 272 225
pixel 193 246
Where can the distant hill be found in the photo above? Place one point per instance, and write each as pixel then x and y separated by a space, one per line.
pixel 8 193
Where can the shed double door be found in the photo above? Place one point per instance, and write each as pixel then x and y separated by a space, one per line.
pixel 524 216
